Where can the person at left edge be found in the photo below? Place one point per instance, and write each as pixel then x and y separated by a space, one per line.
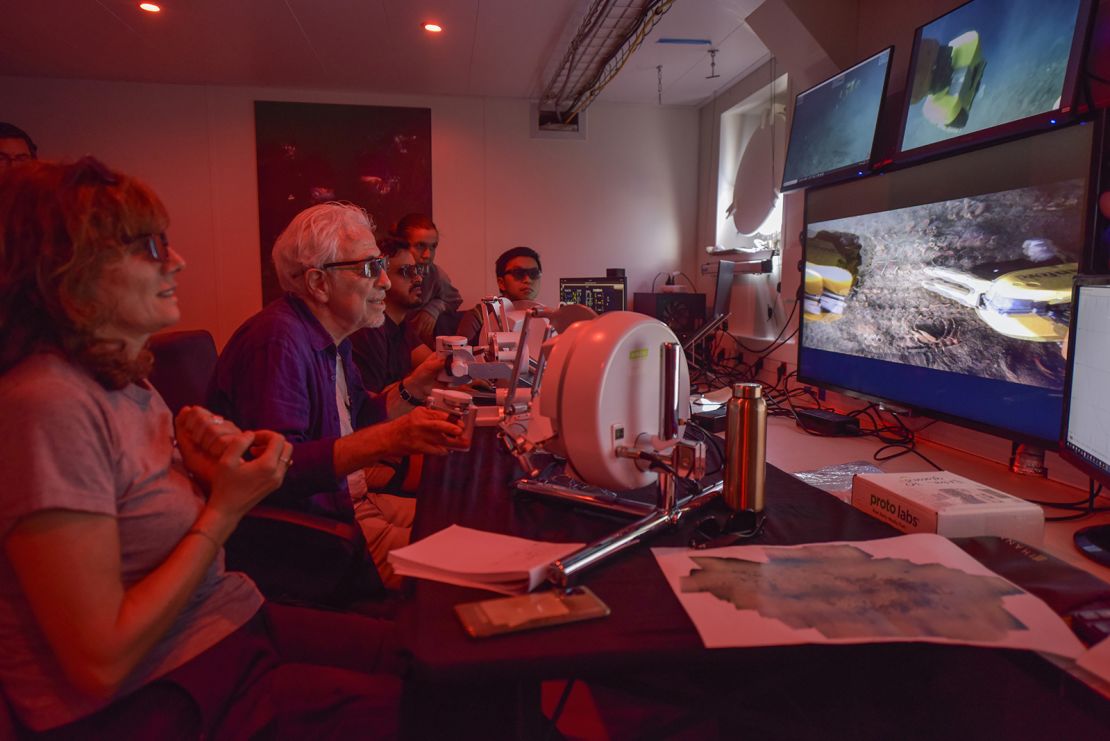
pixel 16 146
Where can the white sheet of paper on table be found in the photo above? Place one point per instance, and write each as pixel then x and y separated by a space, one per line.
pixel 1096 660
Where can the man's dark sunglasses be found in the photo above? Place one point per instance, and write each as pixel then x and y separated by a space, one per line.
pixel 155 245
pixel 370 267
pixel 408 272
pixel 522 273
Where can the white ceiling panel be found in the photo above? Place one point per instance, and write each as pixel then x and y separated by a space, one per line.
pixel 488 48
pixel 686 67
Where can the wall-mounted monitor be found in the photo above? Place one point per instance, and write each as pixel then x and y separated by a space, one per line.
pixel 991 69
pixel 599 294
pixel 946 287
pixel 832 133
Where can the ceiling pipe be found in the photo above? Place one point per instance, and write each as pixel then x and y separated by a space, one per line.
pixel 609 33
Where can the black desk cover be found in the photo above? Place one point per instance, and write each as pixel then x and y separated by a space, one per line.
pixel 648 631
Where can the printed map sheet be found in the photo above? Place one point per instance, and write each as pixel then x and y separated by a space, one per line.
pixel 917 587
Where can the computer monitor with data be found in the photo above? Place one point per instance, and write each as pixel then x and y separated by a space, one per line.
pixel 599 294
pixel 1086 427
pixel 1086 404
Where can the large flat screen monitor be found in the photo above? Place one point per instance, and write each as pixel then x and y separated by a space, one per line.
pixel 599 294
pixel 833 128
pixel 992 68
pixel 946 287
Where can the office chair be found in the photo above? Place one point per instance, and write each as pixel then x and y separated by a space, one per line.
pixel 291 556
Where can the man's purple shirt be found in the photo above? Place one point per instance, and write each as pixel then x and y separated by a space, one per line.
pixel 278 373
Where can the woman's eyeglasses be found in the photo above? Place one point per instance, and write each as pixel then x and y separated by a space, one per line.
pixel 522 273
pixel 370 267
pixel 408 272
pixel 155 245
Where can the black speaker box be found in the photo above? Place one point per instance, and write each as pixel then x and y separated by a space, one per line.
pixel 684 313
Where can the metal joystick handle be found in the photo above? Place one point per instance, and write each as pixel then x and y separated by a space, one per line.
pixel 685 459
pixel 520 448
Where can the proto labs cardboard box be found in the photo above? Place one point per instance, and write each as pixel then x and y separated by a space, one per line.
pixel 947 504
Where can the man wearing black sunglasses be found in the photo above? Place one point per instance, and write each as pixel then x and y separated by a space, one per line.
pixel 518 273
pixel 384 354
pixel 289 368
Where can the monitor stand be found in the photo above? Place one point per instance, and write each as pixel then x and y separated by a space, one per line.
pixel 1027 460
pixel 1094 543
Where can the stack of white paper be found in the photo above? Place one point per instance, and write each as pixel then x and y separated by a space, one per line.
pixel 475 558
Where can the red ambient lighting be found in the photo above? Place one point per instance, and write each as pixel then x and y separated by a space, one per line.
pixel 433 28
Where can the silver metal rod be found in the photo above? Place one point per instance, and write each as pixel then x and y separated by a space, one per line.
pixel 490 307
pixel 484 307
pixel 667 492
pixel 702 333
pixel 518 365
pixel 690 346
pixel 541 363
pixel 699 500
pixel 609 500
pixel 563 572
pixel 598 498
pixel 669 401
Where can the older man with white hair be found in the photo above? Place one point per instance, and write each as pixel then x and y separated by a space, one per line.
pixel 289 368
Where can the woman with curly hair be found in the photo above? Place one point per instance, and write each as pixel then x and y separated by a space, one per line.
pixel 117 618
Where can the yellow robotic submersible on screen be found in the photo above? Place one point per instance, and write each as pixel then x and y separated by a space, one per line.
pixel 947 77
pixel 1016 298
pixel 831 272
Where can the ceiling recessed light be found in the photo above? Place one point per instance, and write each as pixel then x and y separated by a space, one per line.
pixel 433 27
pixel 150 7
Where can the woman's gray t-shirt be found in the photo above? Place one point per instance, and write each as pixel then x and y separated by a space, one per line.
pixel 67 443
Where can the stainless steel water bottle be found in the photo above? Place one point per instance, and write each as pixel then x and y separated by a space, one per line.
pixel 745 448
